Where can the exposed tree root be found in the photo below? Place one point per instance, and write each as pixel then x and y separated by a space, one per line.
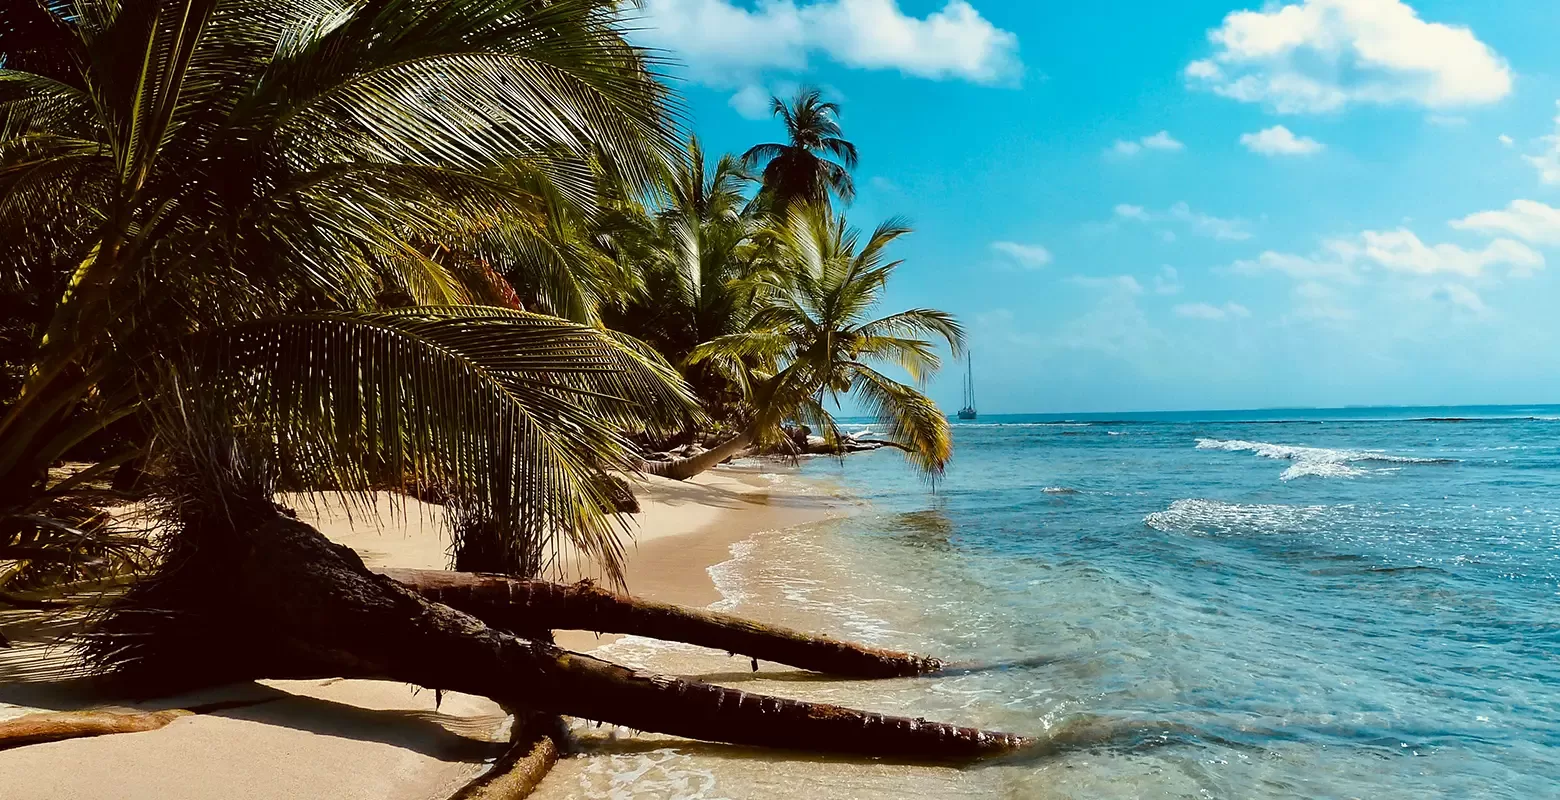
pixel 534 747
pixel 54 727
pixel 515 605
pixel 281 601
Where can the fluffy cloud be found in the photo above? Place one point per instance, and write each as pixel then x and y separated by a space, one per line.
pixel 752 102
pixel 1280 141
pixel 1528 220
pixel 1322 55
pixel 1159 141
pixel 1212 312
pixel 722 41
pixel 1334 261
pixel 1222 228
pixel 1505 141
pixel 1122 284
pixel 1547 161
pixel 1028 256
pixel 1402 251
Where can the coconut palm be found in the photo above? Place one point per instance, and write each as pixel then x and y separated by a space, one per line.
pixel 820 338
pixel 184 166
pixel 703 275
pixel 814 161
pixel 230 193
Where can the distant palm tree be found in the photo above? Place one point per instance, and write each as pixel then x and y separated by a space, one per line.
pixel 816 341
pixel 801 169
pixel 703 276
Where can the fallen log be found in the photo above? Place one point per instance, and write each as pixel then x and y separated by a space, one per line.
pixel 518 605
pixel 279 600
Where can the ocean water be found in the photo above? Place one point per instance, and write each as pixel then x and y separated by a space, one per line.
pixel 1362 603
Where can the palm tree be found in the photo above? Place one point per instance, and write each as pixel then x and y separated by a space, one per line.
pixel 191 165
pixel 820 341
pixel 702 272
pixel 230 192
pixel 801 169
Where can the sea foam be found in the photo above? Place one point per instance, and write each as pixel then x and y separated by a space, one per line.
pixel 1220 517
pixel 1317 462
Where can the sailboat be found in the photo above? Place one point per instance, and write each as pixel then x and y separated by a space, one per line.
pixel 968 411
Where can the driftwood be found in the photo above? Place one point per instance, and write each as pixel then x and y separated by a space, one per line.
pixel 520 604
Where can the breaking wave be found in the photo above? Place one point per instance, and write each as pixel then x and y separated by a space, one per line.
pixel 1317 462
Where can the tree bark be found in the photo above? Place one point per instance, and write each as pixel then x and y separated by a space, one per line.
pixel 520 605
pixel 290 604
pixel 681 469
pixel 532 753
pixel 54 727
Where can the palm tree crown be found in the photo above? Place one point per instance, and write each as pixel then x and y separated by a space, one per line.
pixel 801 169
pixel 820 341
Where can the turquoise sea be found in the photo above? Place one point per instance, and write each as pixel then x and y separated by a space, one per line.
pixel 1276 604
pixel 1356 603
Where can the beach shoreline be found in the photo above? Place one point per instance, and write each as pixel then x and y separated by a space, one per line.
pixel 378 739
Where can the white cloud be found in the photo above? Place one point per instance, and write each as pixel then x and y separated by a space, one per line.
pixel 1123 147
pixel 1334 261
pixel 1222 228
pixel 1505 140
pixel 1124 284
pixel 1158 141
pixel 1403 251
pixel 1547 162
pixel 1162 141
pixel 752 102
pixel 1323 55
pixel 1168 281
pixel 1028 256
pixel 1400 250
pixel 1528 220
pixel 1279 141
pixel 721 40
pixel 1212 312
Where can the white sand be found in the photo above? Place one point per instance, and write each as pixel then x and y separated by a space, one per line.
pixel 349 739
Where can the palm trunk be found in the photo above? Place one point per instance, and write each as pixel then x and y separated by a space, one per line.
pixel 681 469
pixel 284 602
pixel 520 605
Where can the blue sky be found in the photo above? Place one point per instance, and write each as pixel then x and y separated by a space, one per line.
pixel 1190 204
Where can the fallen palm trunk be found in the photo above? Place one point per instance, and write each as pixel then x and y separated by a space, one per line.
pixel 54 727
pixel 281 601
pixel 681 469
pixel 516 605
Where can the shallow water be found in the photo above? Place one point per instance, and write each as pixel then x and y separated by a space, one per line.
pixel 1184 606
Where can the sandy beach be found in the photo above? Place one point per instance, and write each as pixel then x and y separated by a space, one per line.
pixel 353 738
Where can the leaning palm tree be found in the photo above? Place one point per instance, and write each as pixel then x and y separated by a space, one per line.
pixel 814 161
pixel 229 191
pixel 820 342
pixel 185 166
